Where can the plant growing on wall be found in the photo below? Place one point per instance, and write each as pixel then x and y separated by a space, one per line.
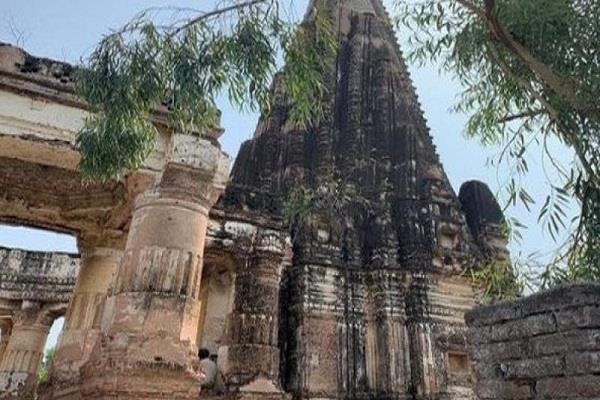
pixel 42 373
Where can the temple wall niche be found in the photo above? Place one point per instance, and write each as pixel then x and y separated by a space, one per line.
pixel 216 295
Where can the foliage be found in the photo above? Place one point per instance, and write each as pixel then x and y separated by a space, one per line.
pixel 183 64
pixel 334 196
pixel 44 369
pixel 499 281
pixel 297 206
pixel 531 73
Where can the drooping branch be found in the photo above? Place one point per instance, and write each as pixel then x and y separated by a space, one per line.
pixel 215 13
pixel 526 114
pixel 562 86
pixel 553 113
pixel 204 16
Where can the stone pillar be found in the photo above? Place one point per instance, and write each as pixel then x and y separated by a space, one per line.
pixel 5 327
pixel 424 354
pixel 250 360
pixel 24 351
pixel 81 331
pixel 148 348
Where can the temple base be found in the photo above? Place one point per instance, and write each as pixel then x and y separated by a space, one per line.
pixel 118 379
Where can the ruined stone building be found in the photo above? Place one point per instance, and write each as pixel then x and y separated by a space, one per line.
pixel 364 297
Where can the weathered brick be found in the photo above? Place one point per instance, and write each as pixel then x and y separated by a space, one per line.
pixel 527 327
pixel 487 370
pixel 489 315
pixel 493 352
pixel 480 334
pixel 570 387
pixel 499 389
pixel 551 300
pixel 533 368
pixel 546 346
pixel 583 317
pixel 579 295
pixel 563 343
pixel 581 363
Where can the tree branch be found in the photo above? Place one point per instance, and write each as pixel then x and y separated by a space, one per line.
pixel 554 115
pixel 562 86
pixel 525 114
pixel 214 13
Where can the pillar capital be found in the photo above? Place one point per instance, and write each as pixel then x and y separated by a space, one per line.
pixel 199 153
pixel 90 243
pixel 33 313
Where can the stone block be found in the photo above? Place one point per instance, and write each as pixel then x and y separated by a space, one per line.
pixel 487 370
pixel 585 386
pixel 562 297
pixel 583 317
pixel 582 363
pixel 528 327
pixel 493 352
pixel 499 389
pixel 489 315
pixel 533 368
pixel 563 343
pixel 551 300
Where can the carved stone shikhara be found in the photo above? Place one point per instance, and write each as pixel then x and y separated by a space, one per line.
pixel 364 300
pixel 371 303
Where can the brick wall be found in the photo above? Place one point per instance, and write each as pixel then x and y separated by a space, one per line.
pixel 545 346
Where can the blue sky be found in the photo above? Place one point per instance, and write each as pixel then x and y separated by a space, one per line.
pixel 68 29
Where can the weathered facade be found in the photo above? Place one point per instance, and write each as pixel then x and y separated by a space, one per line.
pixel 35 289
pixel 361 299
pixel 372 303
pixel 546 346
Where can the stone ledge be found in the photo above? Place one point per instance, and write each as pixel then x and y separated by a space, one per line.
pixel 555 299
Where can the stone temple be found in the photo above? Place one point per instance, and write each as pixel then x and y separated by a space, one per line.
pixel 365 299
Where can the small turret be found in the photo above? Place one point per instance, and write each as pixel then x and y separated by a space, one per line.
pixel 485 219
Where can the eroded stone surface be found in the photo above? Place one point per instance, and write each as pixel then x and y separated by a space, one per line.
pixel 82 327
pixel 25 349
pixel 544 346
pixel 35 288
pixel 38 276
pixel 365 301
pixel 372 300
pixel 153 310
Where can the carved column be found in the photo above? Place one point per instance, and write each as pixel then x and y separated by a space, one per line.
pixel 81 331
pixel 250 359
pixel 148 348
pixel 24 351
pixel 5 327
